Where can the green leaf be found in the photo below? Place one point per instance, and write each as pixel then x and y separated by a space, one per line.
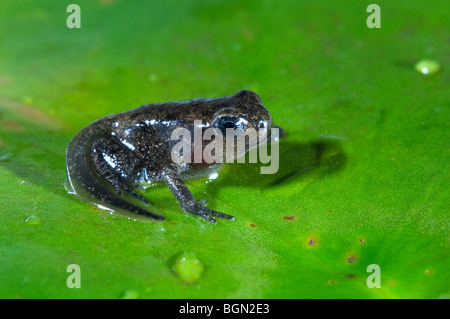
pixel 364 166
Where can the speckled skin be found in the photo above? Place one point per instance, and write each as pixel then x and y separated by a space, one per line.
pixel 117 152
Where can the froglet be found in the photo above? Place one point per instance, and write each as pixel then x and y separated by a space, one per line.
pixel 117 153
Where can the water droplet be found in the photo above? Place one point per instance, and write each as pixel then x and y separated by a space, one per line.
pixel 427 66
pixel 33 220
pixel 28 100
pixel 213 176
pixel 187 267
pixel 130 294
pixel 153 77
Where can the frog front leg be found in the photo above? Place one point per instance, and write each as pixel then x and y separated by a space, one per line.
pixel 184 196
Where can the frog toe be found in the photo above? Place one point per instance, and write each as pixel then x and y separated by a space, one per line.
pixel 197 209
pixel 218 214
pixel 209 214
pixel 208 218
pixel 138 196
pixel 133 193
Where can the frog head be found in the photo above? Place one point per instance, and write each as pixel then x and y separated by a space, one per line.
pixel 243 121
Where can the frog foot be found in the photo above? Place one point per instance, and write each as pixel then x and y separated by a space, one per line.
pixel 197 208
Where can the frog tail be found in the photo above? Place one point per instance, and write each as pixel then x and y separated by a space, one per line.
pixel 84 182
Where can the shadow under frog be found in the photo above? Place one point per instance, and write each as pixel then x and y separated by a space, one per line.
pixel 296 160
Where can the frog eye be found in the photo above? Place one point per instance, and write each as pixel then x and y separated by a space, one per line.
pixel 224 122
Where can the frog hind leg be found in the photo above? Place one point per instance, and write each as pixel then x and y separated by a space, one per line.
pixel 110 174
pixel 187 201
pixel 84 182
pixel 109 158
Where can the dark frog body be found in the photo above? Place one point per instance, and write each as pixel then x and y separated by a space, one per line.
pixel 119 152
